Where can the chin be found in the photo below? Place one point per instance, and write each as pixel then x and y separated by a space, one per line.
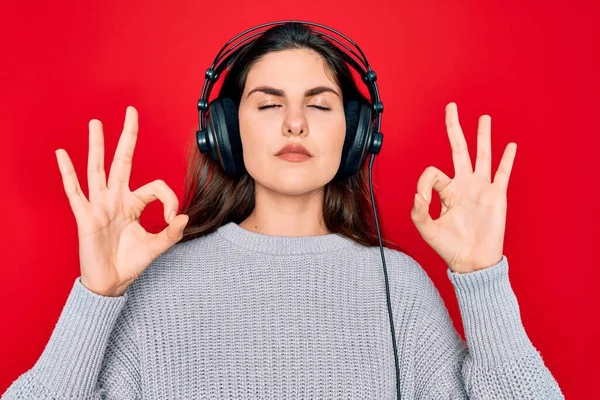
pixel 294 183
pixel 295 189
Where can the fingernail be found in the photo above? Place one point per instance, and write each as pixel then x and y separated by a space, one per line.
pixel 171 216
pixel 417 204
pixel 425 197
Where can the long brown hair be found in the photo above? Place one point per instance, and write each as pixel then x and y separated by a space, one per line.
pixel 212 199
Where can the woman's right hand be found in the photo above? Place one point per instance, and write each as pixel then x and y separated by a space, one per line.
pixel 114 249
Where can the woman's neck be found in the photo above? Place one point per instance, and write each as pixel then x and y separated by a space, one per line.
pixel 286 215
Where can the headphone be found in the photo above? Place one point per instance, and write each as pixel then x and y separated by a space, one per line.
pixel 219 133
pixel 219 136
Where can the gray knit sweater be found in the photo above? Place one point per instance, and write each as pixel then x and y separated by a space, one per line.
pixel 241 315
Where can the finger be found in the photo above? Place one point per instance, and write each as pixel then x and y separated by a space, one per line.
pixel 77 199
pixel 120 170
pixel 96 174
pixel 159 189
pixel 483 164
pixel 432 179
pixel 427 228
pixel 460 151
pixel 163 240
pixel 506 163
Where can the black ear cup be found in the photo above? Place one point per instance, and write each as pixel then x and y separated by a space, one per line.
pixel 232 124
pixel 223 125
pixel 358 135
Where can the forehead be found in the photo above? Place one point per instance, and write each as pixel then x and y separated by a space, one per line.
pixel 290 68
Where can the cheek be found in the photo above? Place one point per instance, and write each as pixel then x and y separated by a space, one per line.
pixel 332 141
pixel 254 134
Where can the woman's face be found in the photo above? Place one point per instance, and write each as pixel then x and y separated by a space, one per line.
pixel 285 81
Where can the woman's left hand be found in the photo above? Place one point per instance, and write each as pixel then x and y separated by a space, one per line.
pixel 469 233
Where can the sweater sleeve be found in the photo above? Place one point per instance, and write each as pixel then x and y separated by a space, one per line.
pixel 92 353
pixel 497 360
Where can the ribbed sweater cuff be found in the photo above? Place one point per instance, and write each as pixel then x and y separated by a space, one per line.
pixel 71 361
pixel 490 314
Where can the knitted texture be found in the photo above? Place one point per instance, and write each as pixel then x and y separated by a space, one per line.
pixel 241 315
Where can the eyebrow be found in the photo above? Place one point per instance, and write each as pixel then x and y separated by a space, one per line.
pixel 280 93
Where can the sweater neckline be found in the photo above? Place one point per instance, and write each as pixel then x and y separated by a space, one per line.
pixel 282 245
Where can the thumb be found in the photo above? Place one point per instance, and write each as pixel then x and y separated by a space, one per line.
pixel 422 220
pixel 170 235
pixel 177 226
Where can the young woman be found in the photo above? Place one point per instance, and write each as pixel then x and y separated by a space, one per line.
pixel 270 285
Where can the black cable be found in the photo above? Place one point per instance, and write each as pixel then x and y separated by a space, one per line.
pixel 387 288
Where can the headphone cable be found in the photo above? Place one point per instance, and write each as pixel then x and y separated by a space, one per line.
pixel 387 288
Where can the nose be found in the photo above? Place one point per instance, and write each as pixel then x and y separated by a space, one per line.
pixel 295 124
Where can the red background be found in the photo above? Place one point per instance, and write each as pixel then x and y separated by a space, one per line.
pixel 532 66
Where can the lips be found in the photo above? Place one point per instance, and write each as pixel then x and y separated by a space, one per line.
pixel 293 148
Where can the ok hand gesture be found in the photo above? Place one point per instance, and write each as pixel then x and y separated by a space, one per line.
pixel 114 249
pixel 469 233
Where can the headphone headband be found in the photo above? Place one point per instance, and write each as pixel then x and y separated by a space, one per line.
pixel 222 60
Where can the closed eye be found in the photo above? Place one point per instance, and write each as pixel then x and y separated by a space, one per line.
pixel 277 105
pixel 268 106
